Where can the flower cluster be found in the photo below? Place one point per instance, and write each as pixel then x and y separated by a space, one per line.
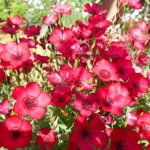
pixel 74 86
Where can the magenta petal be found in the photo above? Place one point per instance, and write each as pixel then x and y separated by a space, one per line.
pixel 37 113
pixel 43 99
pixel 19 93
pixel 33 89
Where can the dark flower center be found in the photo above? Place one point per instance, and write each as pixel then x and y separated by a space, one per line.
pixel 29 103
pixel 104 74
pixel 120 145
pixel 86 134
pixel 60 99
pixel 16 57
pixel 108 102
pixel 15 133
pixel 87 105
pixel 121 71
pixel 135 85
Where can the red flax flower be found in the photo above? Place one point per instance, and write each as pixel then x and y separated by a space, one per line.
pixel 86 104
pixel 105 70
pixel 144 124
pixel 30 100
pixel 62 39
pixel 122 139
pixel 137 84
pixel 88 135
pixel 15 133
pixel 117 50
pixel 32 30
pixel 46 138
pixel 15 54
pixel 83 78
pixel 114 98
pixel 94 9
pixel 61 96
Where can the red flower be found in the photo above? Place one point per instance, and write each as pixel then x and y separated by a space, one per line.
pixel 138 35
pixel 122 139
pixel 86 104
pixel 143 59
pixel 88 135
pixel 98 24
pixel 105 70
pixel 60 9
pixel 65 75
pixel 32 30
pixel 114 98
pixel 137 84
pixel 117 51
pixel 46 138
pixel 124 69
pixel 31 43
pixel 83 78
pixel 10 29
pixel 61 39
pixel 94 9
pixel 61 96
pixel 15 133
pixel 15 20
pixel 50 20
pixel 144 124
pixel 15 54
pixel 5 107
pixel 2 75
pixel 30 100
pixel 40 59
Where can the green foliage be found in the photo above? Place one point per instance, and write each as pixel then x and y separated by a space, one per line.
pixel 11 8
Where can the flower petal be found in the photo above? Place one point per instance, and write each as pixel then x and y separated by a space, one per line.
pixel 33 89
pixel 43 99
pixel 37 113
pixel 19 93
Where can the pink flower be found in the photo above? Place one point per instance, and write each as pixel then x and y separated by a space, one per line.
pixel 105 70
pixel 49 20
pixel 135 4
pixel 114 98
pixel 60 9
pixel 5 107
pixel 86 104
pixel 15 54
pixel 83 78
pixel 30 100
pixel 15 20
